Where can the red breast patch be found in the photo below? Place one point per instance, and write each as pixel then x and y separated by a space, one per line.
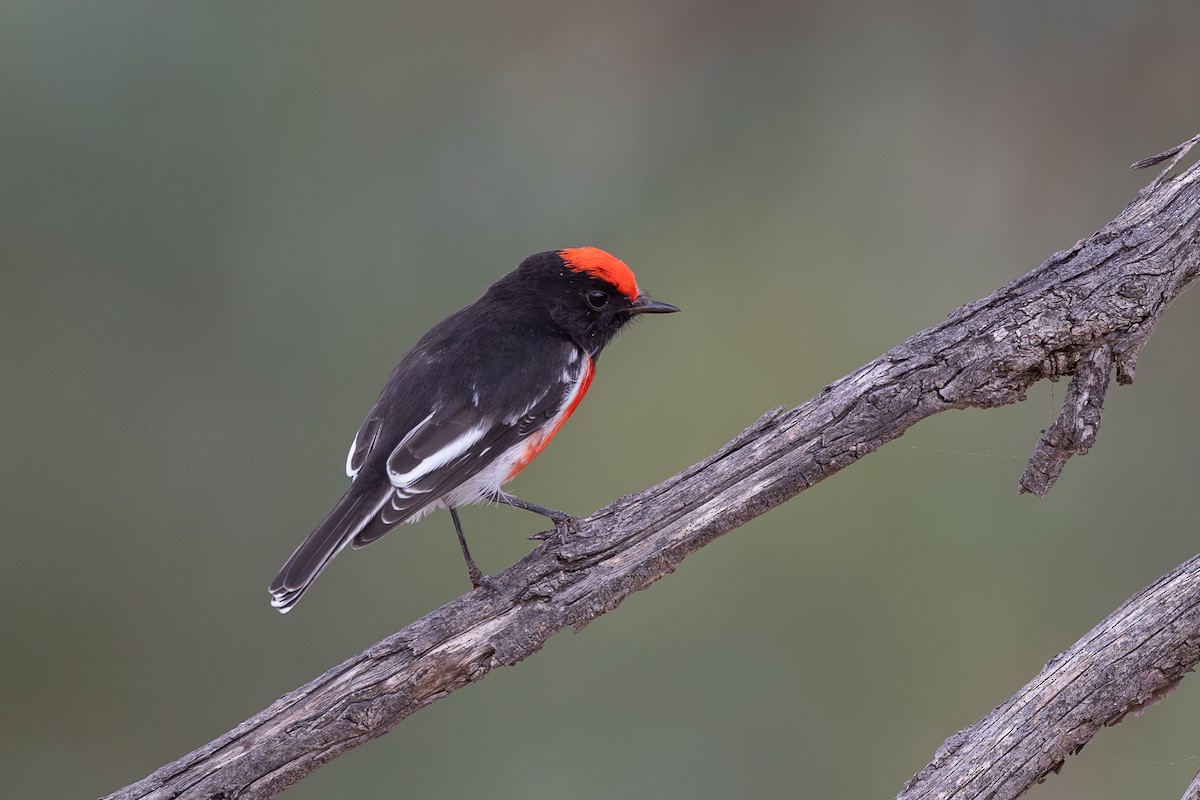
pixel 537 442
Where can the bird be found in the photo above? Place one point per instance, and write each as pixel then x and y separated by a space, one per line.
pixel 473 402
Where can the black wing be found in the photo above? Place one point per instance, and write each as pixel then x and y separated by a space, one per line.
pixel 446 449
pixel 449 452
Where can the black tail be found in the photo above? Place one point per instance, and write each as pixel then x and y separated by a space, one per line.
pixel 354 511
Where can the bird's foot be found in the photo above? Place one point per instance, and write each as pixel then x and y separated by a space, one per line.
pixel 478 578
pixel 563 526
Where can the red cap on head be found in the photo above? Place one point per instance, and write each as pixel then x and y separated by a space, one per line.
pixel 595 261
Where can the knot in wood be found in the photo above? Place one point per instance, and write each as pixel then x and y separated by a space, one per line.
pixel 1133 288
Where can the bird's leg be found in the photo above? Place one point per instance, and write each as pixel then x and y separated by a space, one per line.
pixel 516 502
pixel 562 520
pixel 475 575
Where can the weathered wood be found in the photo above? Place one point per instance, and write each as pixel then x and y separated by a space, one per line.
pixel 1133 658
pixel 1083 312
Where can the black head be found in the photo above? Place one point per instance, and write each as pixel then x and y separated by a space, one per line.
pixel 587 293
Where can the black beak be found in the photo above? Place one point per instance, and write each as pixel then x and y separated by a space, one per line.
pixel 645 305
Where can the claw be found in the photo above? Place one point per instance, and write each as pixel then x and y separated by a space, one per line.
pixel 563 526
pixel 478 578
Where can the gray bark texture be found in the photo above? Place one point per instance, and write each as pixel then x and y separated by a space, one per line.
pixel 1085 312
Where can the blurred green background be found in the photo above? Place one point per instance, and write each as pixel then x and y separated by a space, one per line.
pixel 222 223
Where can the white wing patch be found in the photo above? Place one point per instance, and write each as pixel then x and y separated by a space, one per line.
pixel 454 449
pixel 365 448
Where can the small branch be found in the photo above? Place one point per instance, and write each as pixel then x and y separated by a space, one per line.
pixel 1171 156
pixel 1075 430
pixel 1080 312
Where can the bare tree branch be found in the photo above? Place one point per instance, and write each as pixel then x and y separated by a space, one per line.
pixel 1083 312
pixel 1133 658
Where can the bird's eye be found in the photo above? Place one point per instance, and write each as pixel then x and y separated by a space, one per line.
pixel 597 299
